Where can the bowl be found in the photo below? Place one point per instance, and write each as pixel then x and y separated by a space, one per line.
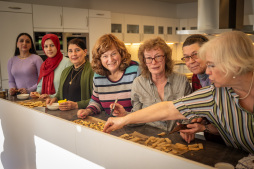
pixel 23 96
pixel 53 106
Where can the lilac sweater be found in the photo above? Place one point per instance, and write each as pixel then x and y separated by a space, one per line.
pixel 24 73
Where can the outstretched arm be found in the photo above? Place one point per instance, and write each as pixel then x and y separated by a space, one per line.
pixel 160 111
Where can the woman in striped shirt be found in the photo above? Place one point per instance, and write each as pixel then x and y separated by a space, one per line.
pixel 114 74
pixel 228 103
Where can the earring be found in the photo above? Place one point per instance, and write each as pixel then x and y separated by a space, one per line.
pixel 233 77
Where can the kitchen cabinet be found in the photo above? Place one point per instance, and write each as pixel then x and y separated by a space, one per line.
pixel 149 27
pixel 75 20
pixel 167 29
pixel 187 24
pixel 15 18
pixel 99 24
pixel 47 18
pixel 137 28
pixel 132 24
pixel 117 25
pixel 60 19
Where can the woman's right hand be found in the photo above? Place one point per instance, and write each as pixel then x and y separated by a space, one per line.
pixel 189 134
pixel 83 113
pixel 34 95
pixel 114 123
pixel 119 110
pixel 12 91
pixel 51 100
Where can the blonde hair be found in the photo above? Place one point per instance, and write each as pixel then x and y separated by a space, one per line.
pixel 232 53
pixel 103 44
pixel 151 44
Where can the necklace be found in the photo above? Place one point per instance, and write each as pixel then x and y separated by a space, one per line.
pixel 75 74
pixel 249 89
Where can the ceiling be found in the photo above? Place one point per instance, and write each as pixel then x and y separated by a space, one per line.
pixel 177 1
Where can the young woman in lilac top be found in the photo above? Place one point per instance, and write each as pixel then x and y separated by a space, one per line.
pixel 24 66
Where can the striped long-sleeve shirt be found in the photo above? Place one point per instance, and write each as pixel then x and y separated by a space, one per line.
pixel 106 91
pixel 221 107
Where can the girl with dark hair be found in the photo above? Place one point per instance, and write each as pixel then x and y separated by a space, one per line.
pixel 76 82
pixel 24 66
pixel 51 69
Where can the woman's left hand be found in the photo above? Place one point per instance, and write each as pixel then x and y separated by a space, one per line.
pixel 68 105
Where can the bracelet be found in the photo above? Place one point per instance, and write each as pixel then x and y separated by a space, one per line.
pixel 206 128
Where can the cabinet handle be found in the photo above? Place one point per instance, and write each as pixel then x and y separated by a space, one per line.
pixel 15 7
pixel 123 36
pixel 61 19
pixel 100 14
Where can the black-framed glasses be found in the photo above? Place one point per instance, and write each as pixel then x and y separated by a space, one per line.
pixel 158 58
pixel 192 56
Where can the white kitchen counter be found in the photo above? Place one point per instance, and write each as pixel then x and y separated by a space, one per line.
pixel 33 139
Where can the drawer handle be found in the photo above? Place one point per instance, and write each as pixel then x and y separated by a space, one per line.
pixel 100 14
pixel 15 7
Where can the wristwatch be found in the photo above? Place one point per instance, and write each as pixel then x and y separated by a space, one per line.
pixel 206 128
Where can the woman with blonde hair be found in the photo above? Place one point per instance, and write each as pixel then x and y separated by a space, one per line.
pixel 114 74
pixel 228 103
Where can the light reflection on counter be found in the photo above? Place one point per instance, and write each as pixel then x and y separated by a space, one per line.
pixel 49 156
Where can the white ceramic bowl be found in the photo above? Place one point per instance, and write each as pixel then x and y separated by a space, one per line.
pixel 23 96
pixel 53 106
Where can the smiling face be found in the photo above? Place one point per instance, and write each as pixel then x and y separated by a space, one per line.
pixel 157 66
pixel 76 55
pixel 111 60
pixel 196 66
pixel 24 43
pixel 50 48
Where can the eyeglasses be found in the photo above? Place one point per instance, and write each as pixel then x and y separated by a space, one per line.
pixel 158 58
pixel 210 66
pixel 192 56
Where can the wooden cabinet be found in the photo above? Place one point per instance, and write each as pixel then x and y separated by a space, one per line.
pixel 60 19
pixel 47 18
pixel 99 24
pixel 14 18
pixel 75 19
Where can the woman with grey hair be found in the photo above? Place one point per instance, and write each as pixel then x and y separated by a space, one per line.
pixel 228 103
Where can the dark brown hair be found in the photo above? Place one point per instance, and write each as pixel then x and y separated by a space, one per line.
pixel 196 38
pixel 31 50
